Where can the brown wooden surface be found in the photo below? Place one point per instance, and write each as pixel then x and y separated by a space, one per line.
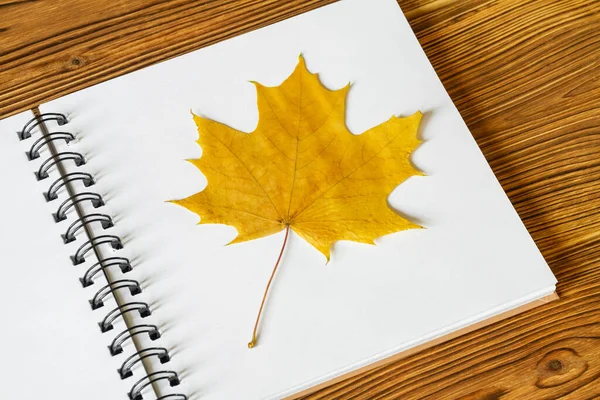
pixel 524 74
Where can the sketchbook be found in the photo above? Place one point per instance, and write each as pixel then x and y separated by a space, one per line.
pixel 112 291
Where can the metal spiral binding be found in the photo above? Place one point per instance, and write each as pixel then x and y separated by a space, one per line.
pixel 124 265
pixel 170 376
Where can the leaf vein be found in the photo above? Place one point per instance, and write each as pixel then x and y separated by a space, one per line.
pixel 247 169
pixel 346 176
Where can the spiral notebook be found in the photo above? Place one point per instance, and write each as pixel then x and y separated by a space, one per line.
pixel 113 292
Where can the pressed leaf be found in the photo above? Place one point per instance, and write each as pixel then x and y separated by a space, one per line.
pixel 301 167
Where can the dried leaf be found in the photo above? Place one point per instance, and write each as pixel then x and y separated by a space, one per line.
pixel 301 167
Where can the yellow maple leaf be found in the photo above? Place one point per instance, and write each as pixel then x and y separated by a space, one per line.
pixel 302 169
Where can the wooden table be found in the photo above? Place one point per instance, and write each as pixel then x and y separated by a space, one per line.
pixel 525 75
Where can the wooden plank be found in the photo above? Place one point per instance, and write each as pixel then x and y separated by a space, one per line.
pixel 49 49
pixel 525 75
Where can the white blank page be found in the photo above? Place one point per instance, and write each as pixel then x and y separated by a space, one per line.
pixel 474 260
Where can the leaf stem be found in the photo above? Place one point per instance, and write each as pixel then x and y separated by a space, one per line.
pixel 252 343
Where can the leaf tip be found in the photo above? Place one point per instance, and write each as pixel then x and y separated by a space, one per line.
pixel 176 202
pixel 197 119
pixel 346 87
pixel 416 226
pixel 302 63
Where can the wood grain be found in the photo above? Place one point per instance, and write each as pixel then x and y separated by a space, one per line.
pixel 525 75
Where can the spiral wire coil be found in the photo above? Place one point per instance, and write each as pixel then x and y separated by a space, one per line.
pixel 123 264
